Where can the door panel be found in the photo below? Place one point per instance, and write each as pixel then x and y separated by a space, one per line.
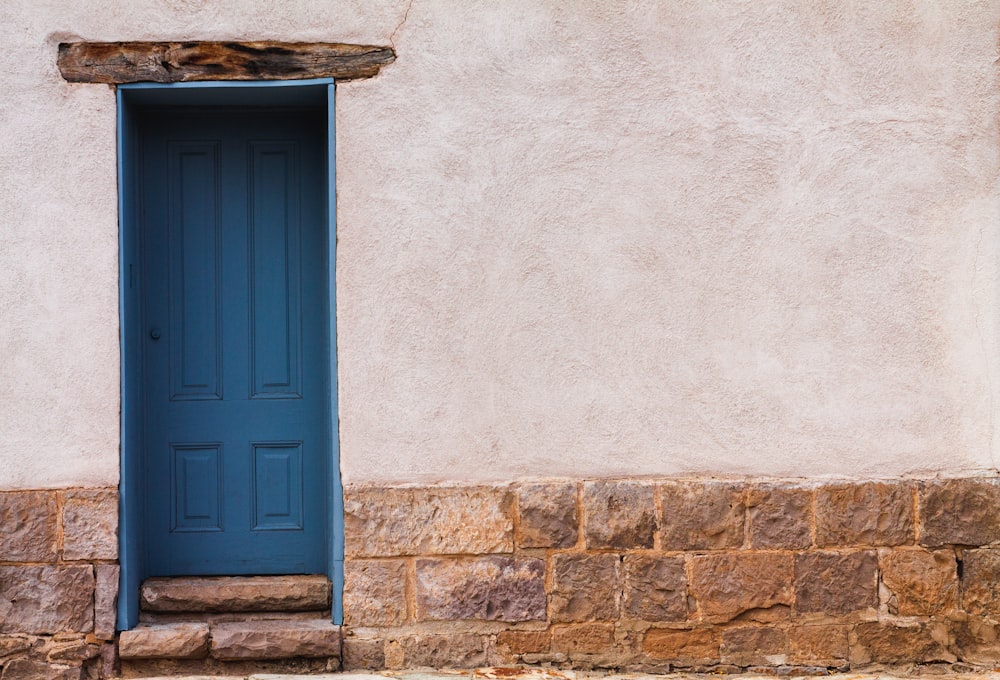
pixel 234 280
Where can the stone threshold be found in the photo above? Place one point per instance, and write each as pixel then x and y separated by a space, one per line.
pixel 229 594
pixel 505 673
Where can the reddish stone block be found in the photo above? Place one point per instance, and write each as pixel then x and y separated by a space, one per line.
pixel 876 642
pixel 525 641
pixel 780 517
pixel 754 645
pixel 981 582
pixel 726 585
pixel 701 515
pixel 976 640
pixel 169 641
pixel 394 521
pixel 46 599
pixel 461 650
pixel 835 583
pixel 585 638
pixel 28 520
pixel 960 512
pixel 362 654
pixel 105 600
pixel 655 588
pixel 922 583
pixel 818 645
pixel 90 524
pixel 683 648
pixel 31 669
pixel 490 588
pixel 619 514
pixel 585 587
pixel 867 513
pixel 374 592
pixel 276 639
pixel 547 515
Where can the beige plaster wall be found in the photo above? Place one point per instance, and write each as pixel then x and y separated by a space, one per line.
pixel 575 239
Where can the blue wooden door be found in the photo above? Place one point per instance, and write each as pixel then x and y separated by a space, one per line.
pixel 235 355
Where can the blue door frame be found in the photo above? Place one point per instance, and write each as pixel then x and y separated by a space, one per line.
pixel 130 98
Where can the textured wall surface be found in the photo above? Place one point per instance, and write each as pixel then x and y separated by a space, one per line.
pixel 607 239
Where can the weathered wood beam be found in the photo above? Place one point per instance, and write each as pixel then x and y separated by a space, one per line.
pixel 171 62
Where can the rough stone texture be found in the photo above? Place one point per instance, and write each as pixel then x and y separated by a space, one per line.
pixel 872 513
pixel 959 512
pixel 780 517
pixel 585 587
pixel 701 515
pixel 922 583
pixel 547 516
pixel 90 524
pixel 235 593
pixel 374 592
pixel 31 669
pixel 72 652
pixel 167 641
pixel 754 645
pixel 275 640
pixel 14 644
pixel 105 599
pixel 385 522
pixel 683 648
pixel 584 638
pixel 825 645
pixel 463 650
pixel 655 588
pixel 28 522
pixel 525 641
pixel 360 654
pixel 490 588
pixel 976 640
pixel 980 582
pixel 875 642
pixel 728 584
pixel 46 598
pixel 835 583
pixel 619 514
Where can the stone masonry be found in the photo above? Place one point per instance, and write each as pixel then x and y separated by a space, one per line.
pixel 58 582
pixel 674 574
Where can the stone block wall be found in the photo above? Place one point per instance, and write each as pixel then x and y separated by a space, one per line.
pixel 673 574
pixel 58 582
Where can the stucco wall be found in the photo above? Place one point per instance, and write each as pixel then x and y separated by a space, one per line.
pixel 584 240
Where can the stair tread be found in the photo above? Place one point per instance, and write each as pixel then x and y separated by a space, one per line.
pixel 236 594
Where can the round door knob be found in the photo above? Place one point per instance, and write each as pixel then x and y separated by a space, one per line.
pixel 154 333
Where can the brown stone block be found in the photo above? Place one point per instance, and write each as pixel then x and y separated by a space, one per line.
pixel 236 594
pixel 547 515
pixel 72 652
pixel 28 520
pixel 922 583
pixel 525 641
pixel 90 524
pixel 105 600
pixel 818 645
pixel 462 650
pixel 835 583
pixel 386 522
pixel 867 513
pixel 655 588
pixel 875 642
pixel 619 514
pixel 15 644
pixel 959 512
pixel 31 669
pixel 169 641
pixel 701 515
pixel 585 638
pixel 493 588
pixel 976 640
pixel 585 587
pixel 754 645
pixel 683 648
pixel 361 654
pixel 980 582
pixel 46 599
pixel 729 584
pixel 374 592
pixel 278 639
pixel 780 517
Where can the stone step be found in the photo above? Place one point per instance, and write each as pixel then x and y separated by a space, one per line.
pixel 236 594
pixel 233 641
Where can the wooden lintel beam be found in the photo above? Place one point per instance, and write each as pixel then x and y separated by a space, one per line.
pixel 172 62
